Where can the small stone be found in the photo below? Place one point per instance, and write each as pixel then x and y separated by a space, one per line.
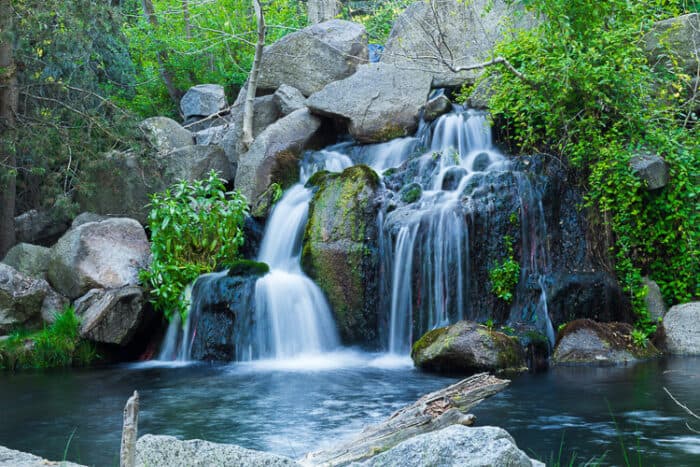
pixel 437 106
pixel 651 169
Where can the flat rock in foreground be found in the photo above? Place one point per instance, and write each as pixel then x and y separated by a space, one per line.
pixel 12 458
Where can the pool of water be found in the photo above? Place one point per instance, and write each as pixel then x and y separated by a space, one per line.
pixel 293 407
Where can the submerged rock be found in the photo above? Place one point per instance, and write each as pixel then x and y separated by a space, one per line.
pixel 168 451
pixel 341 252
pixel 313 57
pixel 106 254
pixel 32 260
pixel 466 348
pixel 380 101
pixel 455 446
pixel 682 326
pixel 586 342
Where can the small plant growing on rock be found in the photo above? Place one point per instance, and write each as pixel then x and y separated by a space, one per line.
pixel 194 226
pixel 504 276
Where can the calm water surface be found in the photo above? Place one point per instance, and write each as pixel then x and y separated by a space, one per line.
pixel 293 407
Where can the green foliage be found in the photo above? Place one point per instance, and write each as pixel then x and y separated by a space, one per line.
pixel 58 345
pixel 378 19
pixel 489 324
pixel 194 226
pixel 590 95
pixel 218 46
pixel 639 338
pixel 504 276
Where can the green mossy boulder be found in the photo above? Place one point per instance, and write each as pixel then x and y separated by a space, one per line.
pixel 466 348
pixel 341 250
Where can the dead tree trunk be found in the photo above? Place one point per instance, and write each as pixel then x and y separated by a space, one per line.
pixel 8 109
pixel 431 412
pixel 322 10
pixel 247 137
pixel 130 431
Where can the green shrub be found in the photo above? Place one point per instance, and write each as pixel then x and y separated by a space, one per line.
pixel 590 96
pixel 57 345
pixel 504 276
pixel 194 227
pixel 379 21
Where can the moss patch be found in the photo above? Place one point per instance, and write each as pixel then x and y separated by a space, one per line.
pixel 427 340
pixel 246 267
pixel 411 193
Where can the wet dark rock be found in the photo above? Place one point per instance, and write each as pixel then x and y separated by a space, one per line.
pixel 411 193
pixel 452 177
pixel 438 105
pixel 466 348
pixel 586 342
pixel 341 252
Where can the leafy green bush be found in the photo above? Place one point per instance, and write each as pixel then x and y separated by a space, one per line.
pixel 504 276
pixel 590 96
pixel 379 20
pixel 194 226
pixel 58 345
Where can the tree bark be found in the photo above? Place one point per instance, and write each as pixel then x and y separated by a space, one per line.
pixel 130 431
pixel 186 19
pixel 431 412
pixel 8 109
pixel 162 55
pixel 247 136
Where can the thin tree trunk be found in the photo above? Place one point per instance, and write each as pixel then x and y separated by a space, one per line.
pixel 247 136
pixel 130 431
pixel 186 18
pixel 162 56
pixel 8 109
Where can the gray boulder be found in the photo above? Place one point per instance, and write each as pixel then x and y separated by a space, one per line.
pixel 469 31
pixel 113 316
pixel 203 100
pixel 210 136
pixel 168 451
pixel 85 217
pixel 313 57
pixel 195 162
pixel 653 299
pixel 380 101
pixel 455 446
pixel 651 169
pixel 165 134
pixel 274 155
pixel 12 458
pixel 675 39
pixel 32 260
pixel 586 342
pixel 106 254
pixel 682 325
pixel 438 105
pixel 288 99
pixel 25 300
pixel 41 227
pixel 467 348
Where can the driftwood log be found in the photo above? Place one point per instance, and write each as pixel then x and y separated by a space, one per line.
pixel 127 454
pixel 431 412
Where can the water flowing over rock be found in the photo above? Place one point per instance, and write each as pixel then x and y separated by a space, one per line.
pixel 32 260
pixel 438 105
pixel 274 155
pixel 107 254
pixel 380 101
pixel 427 34
pixel 113 316
pixel 466 348
pixel 202 100
pixel 313 57
pixel 455 446
pixel 682 326
pixel 165 134
pixel 168 451
pixel 341 250
pixel 586 342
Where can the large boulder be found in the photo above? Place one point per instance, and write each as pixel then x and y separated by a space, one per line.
pixel 341 250
pixel 32 260
pixel 455 446
pixel 168 451
pixel 195 162
pixel 436 106
pixel 274 155
pixel 13 458
pixel 203 100
pixel 113 316
pixel 682 326
pixel 380 101
pixel 313 57
pixel 222 311
pixel 106 254
pixel 651 169
pixel 24 300
pixel 288 99
pixel 41 227
pixel 466 348
pixel 165 134
pixel 586 342
pixel 675 40
pixel 428 34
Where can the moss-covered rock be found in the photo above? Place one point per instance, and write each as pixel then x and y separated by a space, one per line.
pixel 411 193
pixel 341 252
pixel 247 267
pixel 587 342
pixel 466 348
